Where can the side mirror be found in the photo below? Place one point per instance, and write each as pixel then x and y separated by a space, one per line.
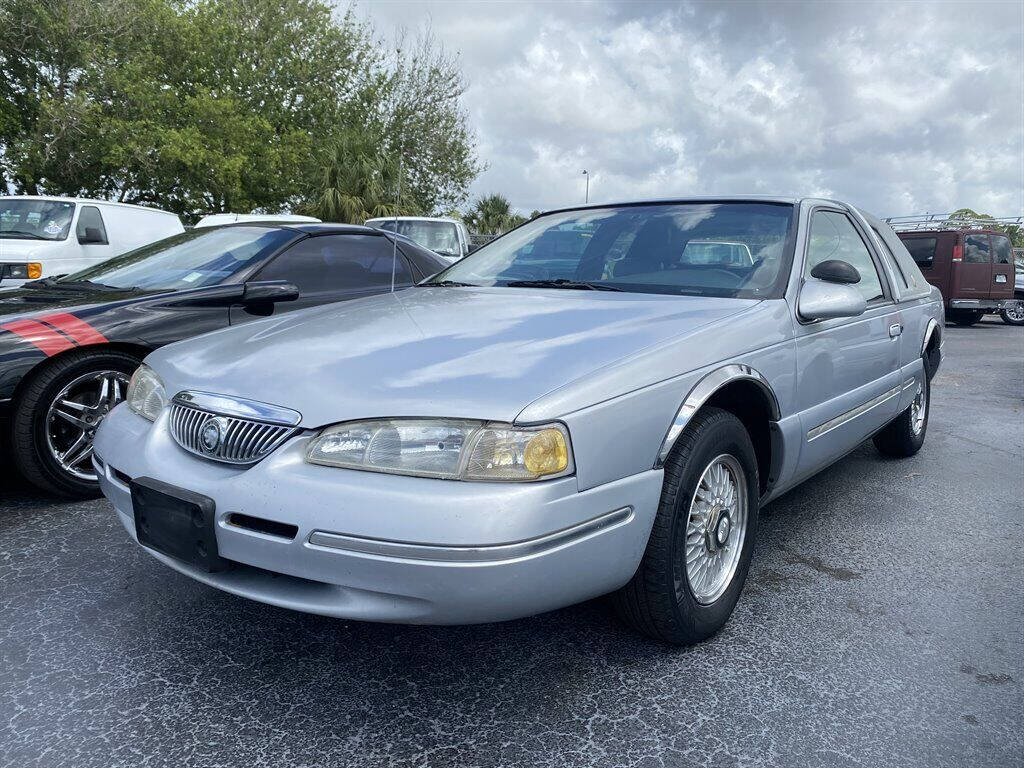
pixel 820 300
pixel 91 235
pixel 270 291
pixel 836 271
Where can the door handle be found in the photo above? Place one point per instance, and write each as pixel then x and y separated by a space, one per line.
pixel 895 330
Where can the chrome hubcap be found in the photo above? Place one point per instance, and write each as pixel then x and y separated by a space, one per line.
pixel 919 408
pixel 1015 310
pixel 74 415
pixel 715 528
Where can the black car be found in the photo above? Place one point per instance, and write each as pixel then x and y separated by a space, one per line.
pixel 69 345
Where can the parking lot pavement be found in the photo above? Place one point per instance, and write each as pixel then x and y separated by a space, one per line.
pixel 882 624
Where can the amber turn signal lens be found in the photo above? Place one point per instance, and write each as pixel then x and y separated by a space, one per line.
pixel 546 453
pixel 35 270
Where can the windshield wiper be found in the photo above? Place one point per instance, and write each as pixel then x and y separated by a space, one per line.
pixel 562 282
pixel 33 235
pixel 450 284
pixel 56 282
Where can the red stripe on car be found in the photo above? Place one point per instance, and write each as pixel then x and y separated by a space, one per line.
pixel 47 340
pixel 76 328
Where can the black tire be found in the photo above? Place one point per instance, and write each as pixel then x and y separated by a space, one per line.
pixel 899 438
pixel 651 602
pixel 1008 319
pixel 28 423
pixel 964 317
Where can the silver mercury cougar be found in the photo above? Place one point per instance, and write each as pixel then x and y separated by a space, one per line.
pixel 600 401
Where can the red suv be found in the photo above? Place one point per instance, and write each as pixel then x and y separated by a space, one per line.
pixel 972 267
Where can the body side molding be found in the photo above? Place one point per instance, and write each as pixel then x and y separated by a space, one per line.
pixel 703 390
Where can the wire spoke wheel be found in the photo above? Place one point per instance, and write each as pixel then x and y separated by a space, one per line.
pixel 1015 310
pixel 75 413
pixel 715 528
pixel 919 408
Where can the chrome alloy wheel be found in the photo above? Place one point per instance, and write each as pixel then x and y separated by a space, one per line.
pixel 1015 310
pixel 715 528
pixel 74 415
pixel 919 408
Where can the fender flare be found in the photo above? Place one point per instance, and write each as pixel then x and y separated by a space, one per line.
pixel 933 327
pixel 703 390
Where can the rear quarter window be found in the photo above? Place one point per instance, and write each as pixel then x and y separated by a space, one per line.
pixel 922 250
pixel 1002 251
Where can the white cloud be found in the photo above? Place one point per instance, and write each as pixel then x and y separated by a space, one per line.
pixel 899 107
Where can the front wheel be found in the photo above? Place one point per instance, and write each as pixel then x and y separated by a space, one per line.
pixel 1013 312
pixel 57 414
pixel 698 553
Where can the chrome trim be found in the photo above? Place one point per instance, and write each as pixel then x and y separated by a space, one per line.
pixel 933 326
pixel 239 439
pixel 908 384
pixel 853 413
pixel 224 405
pixel 700 394
pixel 470 554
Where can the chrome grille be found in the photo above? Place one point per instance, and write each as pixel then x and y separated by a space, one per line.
pixel 228 429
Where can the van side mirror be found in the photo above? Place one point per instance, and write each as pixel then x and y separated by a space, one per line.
pixel 836 271
pixel 269 291
pixel 821 300
pixel 91 235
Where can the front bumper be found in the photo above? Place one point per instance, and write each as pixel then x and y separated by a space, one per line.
pixel 388 548
pixel 991 304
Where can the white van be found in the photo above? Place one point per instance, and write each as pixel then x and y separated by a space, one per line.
pixel 446 237
pixel 219 219
pixel 47 236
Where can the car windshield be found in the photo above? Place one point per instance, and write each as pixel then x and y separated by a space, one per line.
pixel 35 219
pixel 438 236
pixel 190 260
pixel 704 249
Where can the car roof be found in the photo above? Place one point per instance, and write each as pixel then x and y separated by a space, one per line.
pixel 694 199
pixel 415 218
pixel 89 201
pixel 956 230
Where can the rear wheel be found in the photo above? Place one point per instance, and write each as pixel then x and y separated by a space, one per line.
pixel 699 549
pixel 1013 312
pixel 905 435
pixel 57 414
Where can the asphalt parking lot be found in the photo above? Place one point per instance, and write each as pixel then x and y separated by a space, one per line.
pixel 882 624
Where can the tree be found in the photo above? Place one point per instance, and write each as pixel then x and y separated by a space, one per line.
pixel 360 182
pixel 1013 231
pixel 492 215
pixel 219 105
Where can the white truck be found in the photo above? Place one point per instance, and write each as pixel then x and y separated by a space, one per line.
pixel 48 236
pixel 446 237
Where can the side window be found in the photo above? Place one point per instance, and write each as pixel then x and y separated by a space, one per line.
pixel 90 219
pixel 898 268
pixel 1002 251
pixel 977 249
pixel 833 236
pixel 338 262
pixel 922 250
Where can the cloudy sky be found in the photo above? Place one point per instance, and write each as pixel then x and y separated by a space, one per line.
pixel 898 107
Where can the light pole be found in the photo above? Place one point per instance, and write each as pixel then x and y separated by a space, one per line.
pixel 586 196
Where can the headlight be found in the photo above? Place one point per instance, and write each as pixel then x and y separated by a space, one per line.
pixel 146 393
pixel 448 449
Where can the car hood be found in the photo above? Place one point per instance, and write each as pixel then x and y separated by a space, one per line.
pixel 482 353
pixel 18 249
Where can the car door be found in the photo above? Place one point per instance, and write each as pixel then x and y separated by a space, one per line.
pixel 1001 286
pixel 972 277
pixel 847 377
pixel 328 268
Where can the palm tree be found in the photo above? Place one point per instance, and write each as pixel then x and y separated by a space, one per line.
pixel 359 182
pixel 492 215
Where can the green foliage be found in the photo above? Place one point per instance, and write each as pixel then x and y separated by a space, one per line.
pixel 1013 231
pixel 492 215
pixel 224 105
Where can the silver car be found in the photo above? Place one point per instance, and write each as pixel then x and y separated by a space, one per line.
pixel 590 404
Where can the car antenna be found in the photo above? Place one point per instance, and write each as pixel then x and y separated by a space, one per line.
pixel 398 207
